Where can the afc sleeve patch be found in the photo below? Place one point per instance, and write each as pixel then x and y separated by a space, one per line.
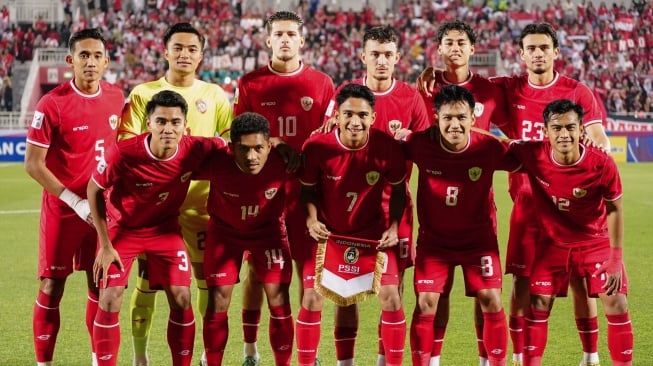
pixel 37 121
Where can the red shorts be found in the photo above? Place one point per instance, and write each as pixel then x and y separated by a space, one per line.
pixel 523 237
pixel 168 263
pixel 434 267
pixel 66 242
pixel 405 250
pixel 390 274
pixel 300 241
pixel 555 265
pixel 223 258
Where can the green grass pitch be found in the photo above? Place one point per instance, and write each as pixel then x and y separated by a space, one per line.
pixel 19 204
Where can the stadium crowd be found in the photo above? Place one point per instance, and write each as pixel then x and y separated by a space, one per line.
pixel 606 47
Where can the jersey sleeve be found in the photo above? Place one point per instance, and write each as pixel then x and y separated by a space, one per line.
pixel 506 160
pixel 420 120
pixel 44 123
pixel 213 159
pixel 224 115
pixel 310 174
pixel 107 170
pixel 611 181
pixel 590 105
pixel 396 164
pixel 329 99
pixel 132 122
pixel 241 99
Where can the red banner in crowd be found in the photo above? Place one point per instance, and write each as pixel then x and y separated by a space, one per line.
pixel 617 126
pixel 348 270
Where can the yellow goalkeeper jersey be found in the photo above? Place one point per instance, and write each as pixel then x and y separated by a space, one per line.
pixel 209 114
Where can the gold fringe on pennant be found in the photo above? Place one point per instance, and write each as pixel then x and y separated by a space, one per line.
pixel 346 300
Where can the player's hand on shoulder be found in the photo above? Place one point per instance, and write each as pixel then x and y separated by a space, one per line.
pixel 426 81
pixel 401 134
pixel 327 126
pixel 586 140
pixel 290 156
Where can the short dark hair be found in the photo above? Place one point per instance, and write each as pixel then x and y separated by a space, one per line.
pixel 182 28
pixel 562 106
pixel 89 33
pixel 249 123
pixel 539 28
pixel 355 91
pixel 381 34
pixel 166 98
pixel 451 94
pixel 283 15
pixel 458 26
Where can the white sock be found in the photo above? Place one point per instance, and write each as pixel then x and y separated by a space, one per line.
pixel 93 359
pixel 49 363
pixel 590 357
pixel 434 361
pixel 349 362
pixel 519 357
pixel 250 350
pixel 380 360
pixel 482 361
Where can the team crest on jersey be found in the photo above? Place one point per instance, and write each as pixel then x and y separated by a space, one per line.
pixel 394 125
pixel 478 109
pixel 113 121
pixel 270 193
pixel 37 121
pixel 372 177
pixel 201 105
pixel 185 176
pixel 351 255
pixel 307 103
pixel 579 192
pixel 474 173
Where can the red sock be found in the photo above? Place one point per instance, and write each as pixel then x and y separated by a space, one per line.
pixel 45 324
pixel 482 352
pixel 308 335
pixel 588 331
pixel 393 332
pixel 91 310
pixel 281 331
pixel 535 337
pixel 381 351
pixel 251 322
pixel 215 333
pixel 438 340
pixel 181 336
pixel 106 337
pixel 516 327
pixel 345 338
pixel 495 337
pixel 620 339
pixel 421 338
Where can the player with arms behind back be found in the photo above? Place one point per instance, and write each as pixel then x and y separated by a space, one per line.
pixel 73 125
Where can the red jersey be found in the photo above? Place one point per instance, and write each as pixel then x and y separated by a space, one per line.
pixel 490 106
pixel 295 103
pixel 453 187
pixel 146 192
pixel 351 181
pixel 242 204
pixel 77 129
pixel 526 103
pixel 570 199
pixel 399 107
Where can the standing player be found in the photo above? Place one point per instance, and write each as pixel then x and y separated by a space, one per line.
pixel 528 94
pixel 399 111
pixel 73 125
pixel 345 173
pixel 577 191
pixel 295 99
pixel 246 204
pixel 148 179
pixel 456 223
pixel 456 42
pixel 209 114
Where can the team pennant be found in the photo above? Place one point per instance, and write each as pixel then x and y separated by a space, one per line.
pixel 348 270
